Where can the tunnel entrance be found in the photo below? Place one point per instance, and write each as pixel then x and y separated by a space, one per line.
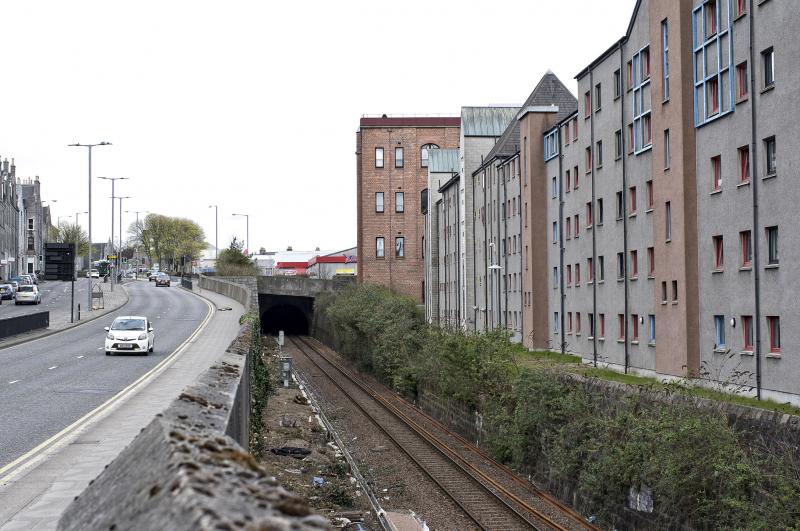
pixel 290 314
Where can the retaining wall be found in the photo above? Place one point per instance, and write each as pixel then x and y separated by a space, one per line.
pixel 188 468
pixel 241 289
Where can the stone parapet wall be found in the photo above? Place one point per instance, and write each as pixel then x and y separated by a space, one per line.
pixel 241 289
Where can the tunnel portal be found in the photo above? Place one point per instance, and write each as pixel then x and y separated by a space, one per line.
pixel 288 313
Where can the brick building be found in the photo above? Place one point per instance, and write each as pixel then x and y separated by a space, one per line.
pixel 392 156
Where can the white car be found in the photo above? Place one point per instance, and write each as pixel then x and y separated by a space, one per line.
pixel 130 333
pixel 93 273
pixel 28 294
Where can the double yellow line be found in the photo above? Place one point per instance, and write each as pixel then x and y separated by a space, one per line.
pixel 60 439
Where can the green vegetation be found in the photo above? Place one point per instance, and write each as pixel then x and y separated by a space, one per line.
pixel 167 240
pixel 571 435
pixel 231 262
pixel 71 233
pixel 262 383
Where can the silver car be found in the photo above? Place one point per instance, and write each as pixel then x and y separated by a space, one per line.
pixel 28 294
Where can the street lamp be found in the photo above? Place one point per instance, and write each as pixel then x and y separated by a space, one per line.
pixel 76 217
pixel 90 146
pixel 136 247
pixel 216 230
pixel 247 234
pixel 119 255
pixel 113 182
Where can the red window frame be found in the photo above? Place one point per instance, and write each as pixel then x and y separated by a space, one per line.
pixel 577 274
pixel 741 7
pixel 569 322
pixel 588 159
pixel 634 327
pixel 587 104
pixel 569 228
pixel 630 75
pixel 747 332
pixel 713 88
pixel 774 327
pixel 742 87
pixel 716 173
pixel 602 325
pixel 632 199
pixel 651 262
pixel 589 269
pixel 574 129
pixel 576 180
pixel 577 225
pixel 569 181
pixel 649 194
pixel 646 61
pixel 566 134
pixel 621 321
pixel 745 242
pixel 634 264
pixel 589 218
pixel 711 7
pixel 719 253
pixel 744 164
pixel 577 322
pixel 569 275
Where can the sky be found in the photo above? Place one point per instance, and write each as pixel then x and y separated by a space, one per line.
pixel 253 105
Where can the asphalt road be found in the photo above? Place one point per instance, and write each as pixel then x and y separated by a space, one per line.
pixel 48 383
pixel 56 298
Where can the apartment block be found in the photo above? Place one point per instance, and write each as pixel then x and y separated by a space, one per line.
pixel 392 155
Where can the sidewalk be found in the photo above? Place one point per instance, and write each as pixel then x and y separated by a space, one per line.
pixel 60 317
pixel 37 499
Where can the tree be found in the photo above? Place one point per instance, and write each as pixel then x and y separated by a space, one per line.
pixel 232 262
pixel 167 240
pixel 67 233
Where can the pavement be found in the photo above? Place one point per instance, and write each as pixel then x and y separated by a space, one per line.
pixel 36 487
pixel 56 298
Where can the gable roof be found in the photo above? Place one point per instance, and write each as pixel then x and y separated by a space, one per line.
pixel 443 160
pixel 486 121
pixel 614 46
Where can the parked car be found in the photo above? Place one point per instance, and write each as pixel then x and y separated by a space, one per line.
pixel 34 278
pixel 15 284
pixel 162 279
pixel 28 277
pixel 93 273
pixel 131 333
pixel 152 275
pixel 20 280
pixel 7 291
pixel 28 294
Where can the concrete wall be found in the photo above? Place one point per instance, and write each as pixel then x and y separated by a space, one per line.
pixel 241 289
pixel 302 286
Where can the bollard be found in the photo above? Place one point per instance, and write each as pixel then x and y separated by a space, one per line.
pixel 79 311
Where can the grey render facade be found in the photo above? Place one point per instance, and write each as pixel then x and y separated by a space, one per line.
pixel 34 226
pixel 9 217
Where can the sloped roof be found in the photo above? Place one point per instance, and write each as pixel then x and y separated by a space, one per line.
pixel 443 160
pixel 549 91
pixel 614 46
pixel 486 121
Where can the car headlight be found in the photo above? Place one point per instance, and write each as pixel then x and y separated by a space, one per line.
pixel 143 336
pixel 110 336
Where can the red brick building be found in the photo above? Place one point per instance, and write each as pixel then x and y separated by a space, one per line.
pixel 392 173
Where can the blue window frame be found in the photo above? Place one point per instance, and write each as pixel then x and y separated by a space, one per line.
pixel 642 125
pixel 551 145
pixel 719 331
pixel 652 331
pixel 665 58
pixel 712 60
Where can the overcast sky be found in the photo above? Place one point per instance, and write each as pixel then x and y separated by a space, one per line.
pixel 253 105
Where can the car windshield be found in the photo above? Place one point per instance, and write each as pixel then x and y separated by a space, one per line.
pixel 128 324
pixel 26 288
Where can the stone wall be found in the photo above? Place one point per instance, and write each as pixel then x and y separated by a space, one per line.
pixel 241 289
pixel 302 286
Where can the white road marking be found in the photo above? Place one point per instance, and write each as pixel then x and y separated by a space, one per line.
pixel 13 382
pixel 79 357
pixel 53 367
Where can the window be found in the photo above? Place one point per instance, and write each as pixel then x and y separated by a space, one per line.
pixel 772 245
pixel 555 277
pixel 620 206
pixel 664 292
pixel 599 153
pixel 617 84
pixel 642 134
pixel 577 274
pixel 398 202
pixel 667 150
pixel 551 145
pixel 719 253
pixel 774 327
pixel 525 154
pixel 768 65
pixel 618 144
pixel 744 164
pixel 399 247
pixel 598 92
pixel 398 157
pixel 712 61
pixel 634 328
pixel 30 223
pixel 719 332
pixel 746 249
pixel 599 211
pixel 716 173
pixel 569 181
pixel 665 58
pixel 747 332
pixel 588 214
pixel 379 251
pixel 601 268
pixel 668 228
pixel 30 243
pixel 577 225
pixel 588 159
pixel 651 262
pixel 566 134
pixel 590 270
pixel 569 322
pixel 379 157
pixel 742 87
pixel 556 322
pixel 578 323
pixel 741 7
pixel 634 264
pixel 555 232
pixel 769 147
pixel 574 129
pixel 632 196
pixel 591 325
pixel 424 152
pixel 674 291
pixel 651 335
pixel 576 179
pixel 621 323
pixel 569 275
pixel 378 201
pixel 587 104
pixel 569 227
pixel 648 188
pixel 630 75
pixel 620 266
pixel 602 326
pixel 554 187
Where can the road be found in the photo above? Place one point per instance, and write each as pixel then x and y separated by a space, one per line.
pixel 47 384
pixel 56 297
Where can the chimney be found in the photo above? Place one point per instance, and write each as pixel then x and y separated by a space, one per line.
pixel 13 168
pixel 5 166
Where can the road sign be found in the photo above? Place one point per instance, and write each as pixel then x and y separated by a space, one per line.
pixel 111 257
pixel 59 261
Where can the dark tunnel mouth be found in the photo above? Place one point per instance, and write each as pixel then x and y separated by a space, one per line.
pixel 287 317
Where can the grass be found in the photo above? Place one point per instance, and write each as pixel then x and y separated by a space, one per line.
pixel 573 364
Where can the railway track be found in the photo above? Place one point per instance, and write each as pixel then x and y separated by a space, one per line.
pixel 491 495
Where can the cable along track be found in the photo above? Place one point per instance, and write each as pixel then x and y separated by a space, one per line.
pixel 488 503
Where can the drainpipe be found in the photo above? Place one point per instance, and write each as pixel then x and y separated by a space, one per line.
pixel 594 233
pixel 487 214
pixel 561 293
pixel 754 184
pixel 505 238
pixel 474 270
pixel 458 254
pixel 624 212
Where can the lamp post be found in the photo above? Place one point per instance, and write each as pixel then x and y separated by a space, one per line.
pixel 136 247
pixel 247 233
pixel 216 230
pixel 113 182
pixel 90 146
pixel 76 217
pixel 119 254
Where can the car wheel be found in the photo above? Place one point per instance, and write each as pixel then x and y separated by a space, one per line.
pixel 108 352
pixel 16 303
pixel 152 346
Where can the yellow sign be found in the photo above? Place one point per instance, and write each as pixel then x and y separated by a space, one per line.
pixel 111 257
